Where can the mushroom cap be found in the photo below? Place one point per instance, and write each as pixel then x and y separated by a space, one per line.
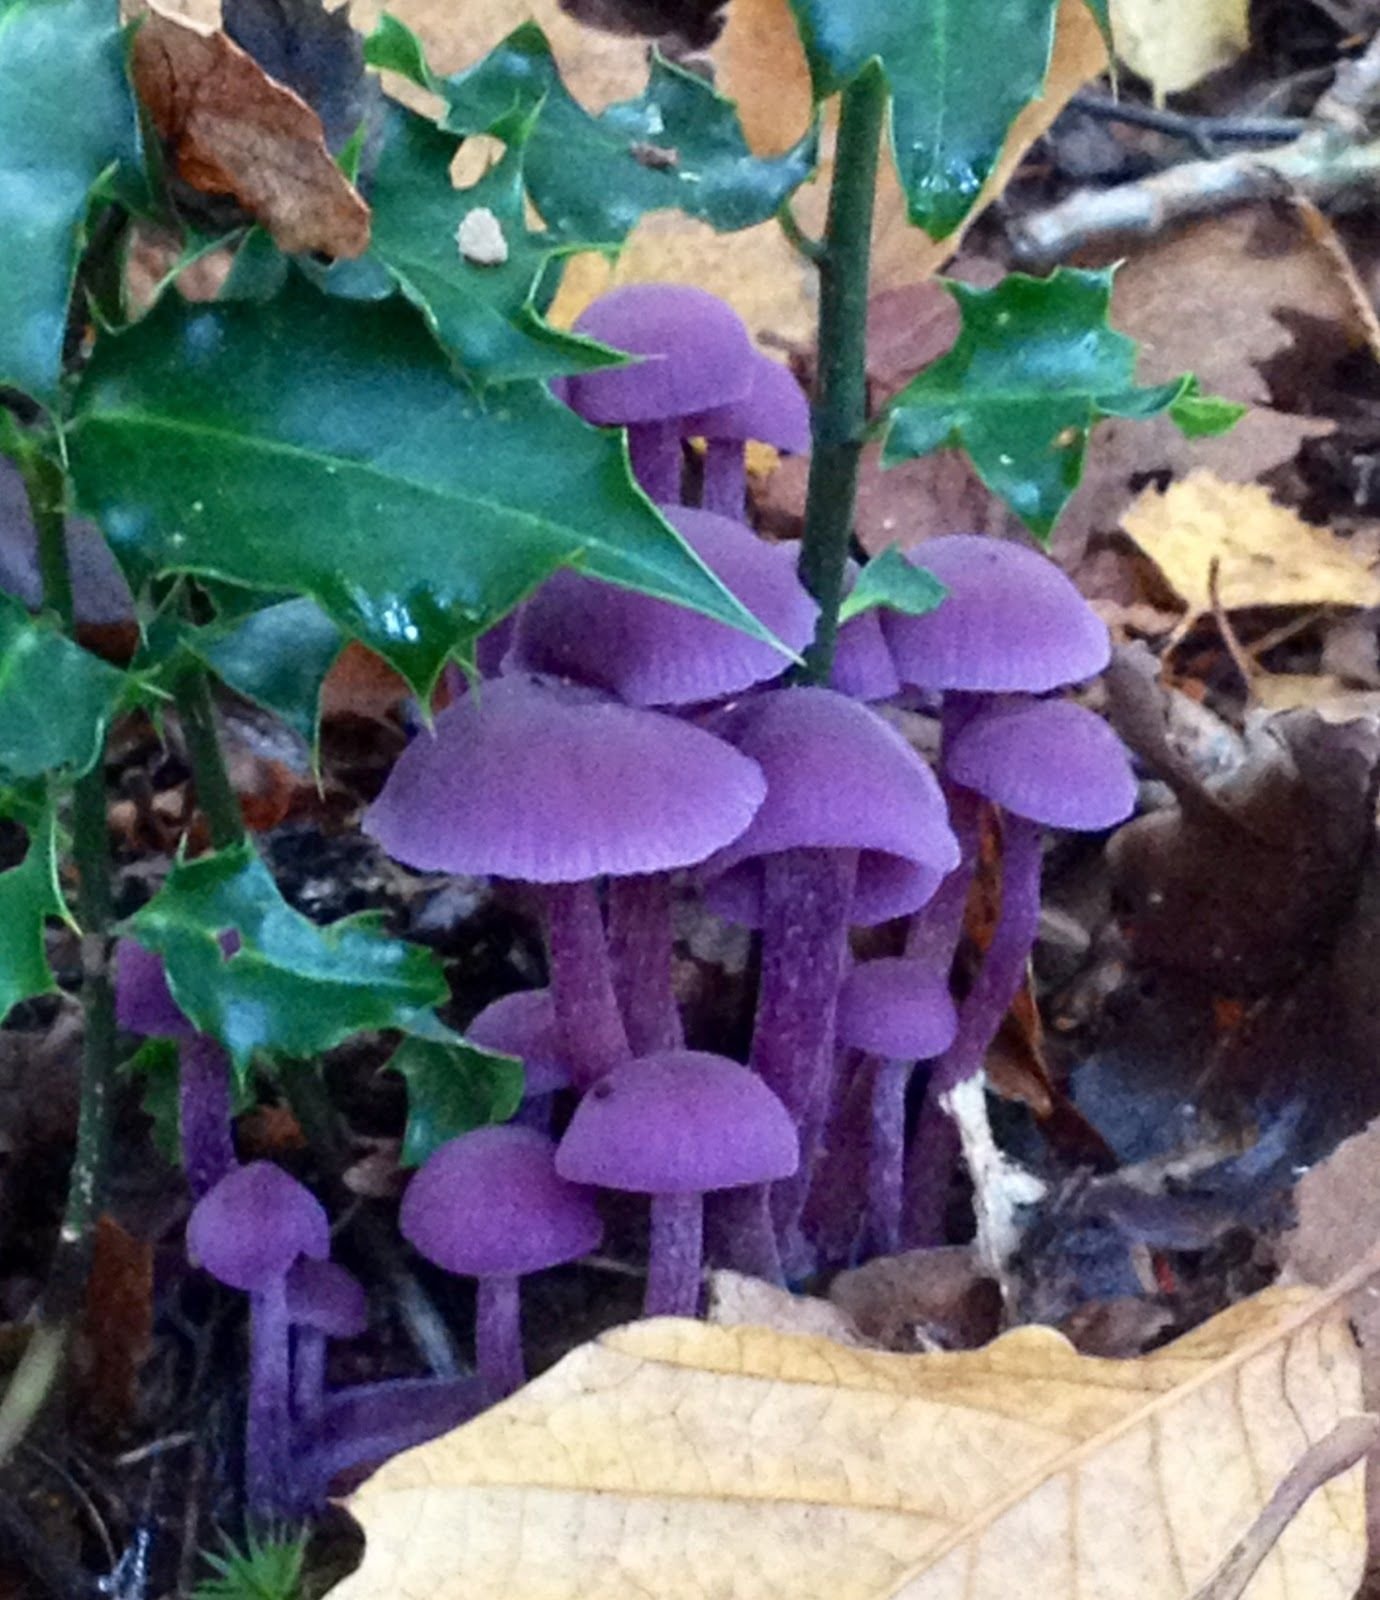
pixel 897 1008
pixel 491 1203
pixel 863 668
pixel 100 593
pixel 549 785
pixel 773 410
pixel 1049 760
pixel 323 1296
pixel 254 1224
pixel 143 1001
pixel 838 777
pixel 698 355
pixel 679 1122
pixel 1010 621
pixel 651 653
pixel 524 1025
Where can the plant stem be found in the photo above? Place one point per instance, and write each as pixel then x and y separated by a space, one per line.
pixel 46 488
pixel 214 791
pixel 840 406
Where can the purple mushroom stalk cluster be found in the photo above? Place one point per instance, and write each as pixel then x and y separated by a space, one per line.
pixel 619 758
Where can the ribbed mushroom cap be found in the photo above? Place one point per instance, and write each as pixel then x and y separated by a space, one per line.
pixel 323 1296
pixel 651 653
pixel 546 785
pixel 491 1203
pixel 524 1025
pixel 863 668
pixel 774 411
pixel 698 355
pixel 679 1122
pixel 838 777
pixel 896 1008
pixel 1010 621
pixel 1049 760
pixel 143 1001
pixel 254 1224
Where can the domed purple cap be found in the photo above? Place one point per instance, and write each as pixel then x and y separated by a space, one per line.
pixel 651 653
pixel 524 1025
pixel 838 777
pixel 863 668
pixel 143 1001
pixel 679 1122
pixel 527 781
pixel 323 1296
pixel 1049 760
pixel 774 411
pixel 698 355
pixel 896 1008
pixel 254 1224
pixel 1010 621
pixel 490 1203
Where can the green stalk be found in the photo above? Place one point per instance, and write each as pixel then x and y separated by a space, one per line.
pixel 839 418
pixel 214 791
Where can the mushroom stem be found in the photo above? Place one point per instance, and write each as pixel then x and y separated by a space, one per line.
pixel 741 1232
pixel 640 944
pixel 268 1425
pixel 886 1161
pixel 995 987
pixel 654 450
pixel 498 1335
pixel 675 1255
pixel 365 1424
pixel 725 479
pixel 937 927
pixel 308 1379
pixel 807 896
pixel 835 1209
pixel 205 1113
pixel 929 1165
pixel 587 1015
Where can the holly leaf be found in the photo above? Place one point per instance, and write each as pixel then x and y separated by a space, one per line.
pixel 958 80
pixel 890 580
pixel 156 1066
pixel 476 291
pixel 1034 366
pixel 1203 416
pixel 677 146
pixel 325 448
pixel 290 988
pixel 29 895
pixel 66 116
pixel 278 657
pixel 55 698
pixel 452 1087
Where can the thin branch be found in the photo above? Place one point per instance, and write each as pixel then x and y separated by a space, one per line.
pixel 1203 132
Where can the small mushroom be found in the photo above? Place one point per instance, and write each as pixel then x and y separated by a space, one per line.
pixel 774 411
pixel 490 1205
pixel 675 1126
pixel 324 1301
pixel 249 1231
pixel 524 1025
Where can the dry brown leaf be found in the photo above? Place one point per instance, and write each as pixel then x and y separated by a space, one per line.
pixel 1173 44
pixel 679 1460
pixel 116 1332
pixel 736 1300
pixel 1267 554
pixel 1333 700
pixel 232 130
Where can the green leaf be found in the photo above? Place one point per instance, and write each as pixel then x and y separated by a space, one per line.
pixel 277 657
pixel 1035 365
pixel 677 146
pixel 958 76
pixel 156 1066
pixel 890 580
pixel 393 47
pixel 291 988
pixel 29 895
pixel 1203 416
pixel 55 698
pixel 325 448
pixel 483 313
pixel 452 1088
pixel 66 115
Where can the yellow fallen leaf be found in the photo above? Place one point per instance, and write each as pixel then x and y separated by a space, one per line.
pixel 1173 44
pixel 1267 555
pixel 677 1460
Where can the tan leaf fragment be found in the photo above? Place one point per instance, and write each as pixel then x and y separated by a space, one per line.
pixel 736 1299
pixel 1267 555
pixel 679 1460
pixel 232 130
pixel 1173 44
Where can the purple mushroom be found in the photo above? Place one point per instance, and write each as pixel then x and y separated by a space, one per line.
pixel 144 1004
pixel 897 1012
pixel 524 1025
pixel 774 411
pixel 675 1126
pixel 696 357
pixel 490 1205
pixel 1046 763
pixel 324 1301
pixel 249 1231
pixel 559 787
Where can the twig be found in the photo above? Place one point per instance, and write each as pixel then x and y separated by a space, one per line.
pixel 1348 103
pixel 1240 660
pixel 1320 230
pixel 1203 132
